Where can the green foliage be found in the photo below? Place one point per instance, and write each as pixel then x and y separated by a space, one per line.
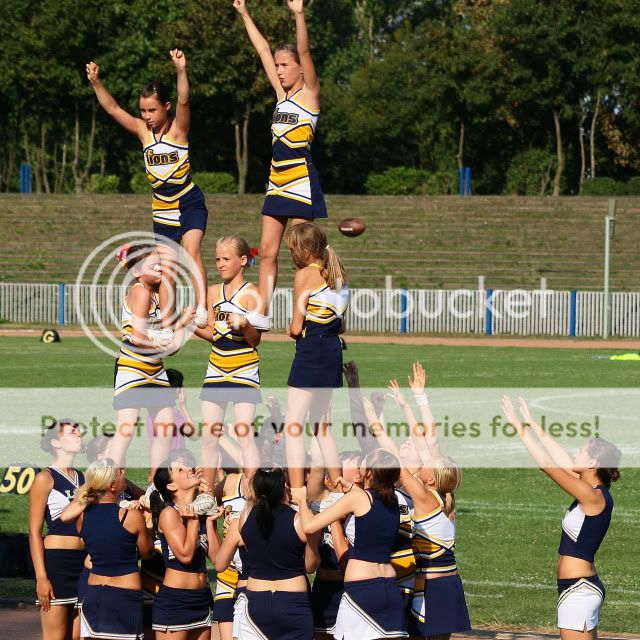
pixel 139 183
pixel 402 181
pixel 530 173
pixel 103 184
pixel 397 181
pixel 215 182
pixel 603 187
pixel 633 186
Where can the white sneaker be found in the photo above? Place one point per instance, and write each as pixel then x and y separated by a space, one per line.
pixel 145 500
pixel 204 505
pixel 258 320
pixel 202 318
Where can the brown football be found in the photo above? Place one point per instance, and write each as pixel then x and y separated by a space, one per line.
pixel 351 227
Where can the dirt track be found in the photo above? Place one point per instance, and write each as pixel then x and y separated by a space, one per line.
pixel 447 341
pixel 24 624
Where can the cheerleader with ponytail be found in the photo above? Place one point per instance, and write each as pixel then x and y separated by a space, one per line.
pixel 113 603
pixel 587 478
pixel 438 607
pixel 321 297
pixel 371 606
pixel 182 606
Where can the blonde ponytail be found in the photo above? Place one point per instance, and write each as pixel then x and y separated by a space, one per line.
pixel 333 272
pixel 99 476
pixel 448 476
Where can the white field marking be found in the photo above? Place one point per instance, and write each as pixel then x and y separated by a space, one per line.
pixel 523 506
pixel 542 517
pixel 543 586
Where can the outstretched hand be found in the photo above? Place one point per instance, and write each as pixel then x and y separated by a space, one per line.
pixel 93 72
pixel 396 393
pixel 510 414
pixel 297 6
pixel 179 59
pixel 419 380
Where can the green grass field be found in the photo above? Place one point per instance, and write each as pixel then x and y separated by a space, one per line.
pixel 508 520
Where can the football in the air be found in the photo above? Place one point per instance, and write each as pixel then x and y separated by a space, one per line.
pixel 351 227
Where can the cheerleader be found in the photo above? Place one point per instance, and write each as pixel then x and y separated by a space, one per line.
pixel 587 478
pixel 233 373
pixel 294 191
pixel 320 301
pixel 179 210
pixel 140 379
pixel 58 558
pixel 371 606
pixel 232 560
pixel 438 607
pixel 182 606
pixel 276 603
pixel 113 601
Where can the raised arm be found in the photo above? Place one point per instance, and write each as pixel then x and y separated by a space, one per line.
pixel 356 409
pixel 378 428
pixel 418 384
pixel 133 125
pixel 182 121
pixel 578 488
pixel 261 46
pixel 557 453
pixel 302 44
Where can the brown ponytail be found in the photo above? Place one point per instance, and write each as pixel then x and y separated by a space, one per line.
pixel 607 457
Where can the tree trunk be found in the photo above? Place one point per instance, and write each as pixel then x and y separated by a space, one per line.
pixel 59 170
pixel 592 137
pixel 7 169
pixel 241 128
pixel 75 165
pixel 44 163
pixel 560 169
pixel 583 156
pixel 460 156
pixel 35 167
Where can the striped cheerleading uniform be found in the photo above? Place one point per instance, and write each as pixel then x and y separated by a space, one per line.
pixel 580 599
pixel 438 605
pixel 402 557
pixel 63 566
pixel 233 373
pixel 227 580
pixel 178 204
pixel 139 378
pixel 294 186
pixel 318 358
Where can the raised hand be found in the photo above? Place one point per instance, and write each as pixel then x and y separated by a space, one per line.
pixel 179 59
pixel 187 512
pixel 396 393
pixel 510 414
pixel 93 72
pixel 240 7
pixel 298 495
pixel 419 380
pixel 342 485
pixel 526 414
pixel 297 6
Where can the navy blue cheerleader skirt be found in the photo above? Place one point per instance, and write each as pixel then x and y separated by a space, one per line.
pixel 181 609
pixel 317 363
pixel 64 568
pixel 112 612
pixel 439 608
pixel 277 615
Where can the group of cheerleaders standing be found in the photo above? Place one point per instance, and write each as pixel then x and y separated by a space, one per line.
pixel 376 526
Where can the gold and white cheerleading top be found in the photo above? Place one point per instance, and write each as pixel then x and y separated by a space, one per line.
pixel 434 540
pixel 233 361
pixel 169 173
pixel 138 366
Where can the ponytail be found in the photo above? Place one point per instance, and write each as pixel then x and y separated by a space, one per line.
pixel 100 475
pixel 268 488
pixel 449 503
pixel 448 476
pixel 607 457
pixel 385 472
pixel 161 495
pixel 333 271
